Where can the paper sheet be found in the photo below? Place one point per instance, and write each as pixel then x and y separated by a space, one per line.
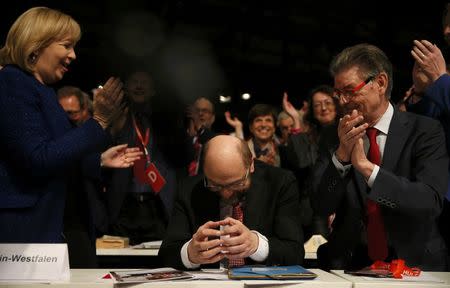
pixel 423 277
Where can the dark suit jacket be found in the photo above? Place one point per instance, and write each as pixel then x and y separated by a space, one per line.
pixel 302 152
pixel 118 181
pixel 271 208
pixel 38 145
pixel 409 188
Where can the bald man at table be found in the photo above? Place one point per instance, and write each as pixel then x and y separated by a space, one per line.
pixel 240 212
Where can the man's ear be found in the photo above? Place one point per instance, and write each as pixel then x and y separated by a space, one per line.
pixel 252 165
pixel 383 82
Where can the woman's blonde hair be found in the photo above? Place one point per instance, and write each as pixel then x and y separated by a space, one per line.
pixel 33 31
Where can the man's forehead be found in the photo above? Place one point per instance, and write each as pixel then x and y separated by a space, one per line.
pixel 231 173
pixel 286 121
pixel 140 76
pixel 347 77
pixel 260 117
pixel 203 102
pixel 73 99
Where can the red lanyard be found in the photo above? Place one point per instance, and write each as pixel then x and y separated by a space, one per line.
pixel 396 267
pixel 144 141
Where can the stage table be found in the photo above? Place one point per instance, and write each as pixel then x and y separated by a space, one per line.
pixel 93 278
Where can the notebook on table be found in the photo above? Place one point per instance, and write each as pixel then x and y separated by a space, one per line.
pixel 294 272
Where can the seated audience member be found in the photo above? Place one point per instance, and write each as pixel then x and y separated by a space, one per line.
pixel 387 179
pixel 241 212
pixel 262 119
pixel 74 102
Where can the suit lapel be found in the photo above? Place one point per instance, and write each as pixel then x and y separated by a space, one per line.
pixel 256 195
pixel 397 136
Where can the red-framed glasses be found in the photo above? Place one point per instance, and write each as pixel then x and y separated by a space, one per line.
pixel 350 93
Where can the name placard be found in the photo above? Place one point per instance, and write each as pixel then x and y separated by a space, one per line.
pixel 42 262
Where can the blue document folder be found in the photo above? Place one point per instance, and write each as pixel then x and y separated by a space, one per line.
pixel 271 272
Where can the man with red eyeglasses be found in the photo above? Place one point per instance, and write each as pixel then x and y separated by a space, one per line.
pixel 388 176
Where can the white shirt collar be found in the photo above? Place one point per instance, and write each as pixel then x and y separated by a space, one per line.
pixel 385 120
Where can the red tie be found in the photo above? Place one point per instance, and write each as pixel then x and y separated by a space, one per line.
pixel 237 214
pixel 193 166
pixel 376 235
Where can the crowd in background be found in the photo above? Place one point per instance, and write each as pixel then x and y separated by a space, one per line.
pixel 111 161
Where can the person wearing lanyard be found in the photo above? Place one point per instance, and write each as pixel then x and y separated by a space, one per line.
pixel 139 200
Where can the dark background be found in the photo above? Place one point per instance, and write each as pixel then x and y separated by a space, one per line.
pixel 212 47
